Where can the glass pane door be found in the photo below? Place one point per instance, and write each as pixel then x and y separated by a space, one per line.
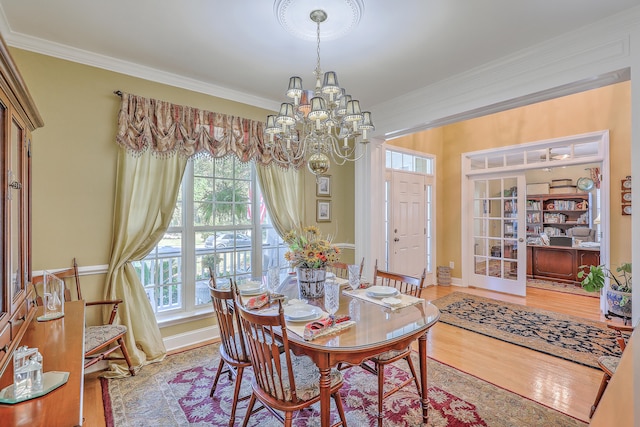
pixel 499 251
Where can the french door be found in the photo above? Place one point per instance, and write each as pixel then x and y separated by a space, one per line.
pixel 498 233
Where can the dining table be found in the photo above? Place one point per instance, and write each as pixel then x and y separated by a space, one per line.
pixel 375 328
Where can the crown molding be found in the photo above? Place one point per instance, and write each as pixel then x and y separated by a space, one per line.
pixel 80 56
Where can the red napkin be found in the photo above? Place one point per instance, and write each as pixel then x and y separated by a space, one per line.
pixel 314 328
pixel 256 302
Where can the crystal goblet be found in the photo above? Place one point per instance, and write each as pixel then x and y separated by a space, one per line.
pixel 331 298
pixel 354 276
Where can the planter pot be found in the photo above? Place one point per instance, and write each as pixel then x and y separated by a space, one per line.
pixel 616 303
pixel 311 282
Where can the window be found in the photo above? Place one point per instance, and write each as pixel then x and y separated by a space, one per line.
pixel 220 223
pixel 399 160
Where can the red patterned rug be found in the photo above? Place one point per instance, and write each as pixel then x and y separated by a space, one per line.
pixel 175 392
pixel 358 394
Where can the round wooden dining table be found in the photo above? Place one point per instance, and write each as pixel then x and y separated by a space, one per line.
pixel 377 329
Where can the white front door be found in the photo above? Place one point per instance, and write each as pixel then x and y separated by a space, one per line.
pixel 498 232
pixel 407 229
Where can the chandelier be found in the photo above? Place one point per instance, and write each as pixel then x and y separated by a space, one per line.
pixel 319 125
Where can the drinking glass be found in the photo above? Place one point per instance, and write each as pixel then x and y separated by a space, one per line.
pixel 331 298
pixel 273 280
pixel 354 276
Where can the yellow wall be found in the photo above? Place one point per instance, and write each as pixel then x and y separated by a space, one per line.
pixel 342 201
pixel 600 109
pixel 74 160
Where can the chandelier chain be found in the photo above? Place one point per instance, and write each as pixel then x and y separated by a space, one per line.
pixel 318 69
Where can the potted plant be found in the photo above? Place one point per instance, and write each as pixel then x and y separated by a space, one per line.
pixel 619 294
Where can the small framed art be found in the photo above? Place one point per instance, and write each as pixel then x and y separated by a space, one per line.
pixel 323 186
pixel 323 211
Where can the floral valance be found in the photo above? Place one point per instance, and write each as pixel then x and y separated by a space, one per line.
pixel 169 129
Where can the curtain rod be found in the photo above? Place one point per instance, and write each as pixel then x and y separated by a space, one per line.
pixel 118 92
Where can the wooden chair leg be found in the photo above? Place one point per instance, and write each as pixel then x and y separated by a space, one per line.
pixel 252 402
pixel 236 394
pixel 288 419
pixel 380 369
pixel 125 354
pixel 603 386
pixel 340 408
pixel 215 380
pixel 413 372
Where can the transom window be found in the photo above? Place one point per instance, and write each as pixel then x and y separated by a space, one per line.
pixel 408 162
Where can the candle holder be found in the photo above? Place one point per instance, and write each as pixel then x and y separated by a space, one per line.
pixel 29 381
pixel 53 297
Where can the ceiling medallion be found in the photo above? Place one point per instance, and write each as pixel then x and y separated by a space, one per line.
pixel 293 16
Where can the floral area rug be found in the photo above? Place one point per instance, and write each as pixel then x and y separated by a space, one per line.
pixel 569 337
pixel 175 392
pixel 566 288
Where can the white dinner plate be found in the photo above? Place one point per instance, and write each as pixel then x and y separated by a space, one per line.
pixel 299 313
pixel 382 291
pixel 251 288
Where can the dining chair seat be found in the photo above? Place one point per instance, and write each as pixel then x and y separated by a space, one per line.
pixel 391 354
pixel 96 336
pixel 305 374
pixel 609 364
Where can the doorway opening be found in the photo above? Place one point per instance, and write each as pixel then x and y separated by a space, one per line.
pixel 541 161
pixel 409 213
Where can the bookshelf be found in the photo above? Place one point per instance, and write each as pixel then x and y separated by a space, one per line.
pixel 554 214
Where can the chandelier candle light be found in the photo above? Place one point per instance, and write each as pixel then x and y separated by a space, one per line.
pixel 322 125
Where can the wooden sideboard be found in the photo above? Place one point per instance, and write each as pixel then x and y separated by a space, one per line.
pixel 61 343
pixel 559 263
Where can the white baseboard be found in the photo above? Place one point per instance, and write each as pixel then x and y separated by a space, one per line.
pixel 186 339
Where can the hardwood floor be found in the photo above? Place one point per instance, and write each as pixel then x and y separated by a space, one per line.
pixel 556 383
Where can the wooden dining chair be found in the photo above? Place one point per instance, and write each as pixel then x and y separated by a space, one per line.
pixel 409 285
pixel 609 364
pixel 341 269
pixel 233 350
pixel 282 381
pixel 100 341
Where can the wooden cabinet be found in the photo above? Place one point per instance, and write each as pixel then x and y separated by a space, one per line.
pixel 554 214
pixel 18 118
pixel 559 263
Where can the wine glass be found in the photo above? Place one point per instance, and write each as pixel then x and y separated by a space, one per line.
pixel 331 298
pixel 354 276
pixel 273 280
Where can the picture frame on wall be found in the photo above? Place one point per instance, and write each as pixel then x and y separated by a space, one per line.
pixel 323 211
pixel 323 186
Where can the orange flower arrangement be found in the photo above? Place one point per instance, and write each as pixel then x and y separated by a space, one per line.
pixel 309 249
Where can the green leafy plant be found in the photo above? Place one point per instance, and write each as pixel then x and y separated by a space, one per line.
pixel 593 279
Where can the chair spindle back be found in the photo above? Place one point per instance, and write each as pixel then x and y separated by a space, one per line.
pixel 409 285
